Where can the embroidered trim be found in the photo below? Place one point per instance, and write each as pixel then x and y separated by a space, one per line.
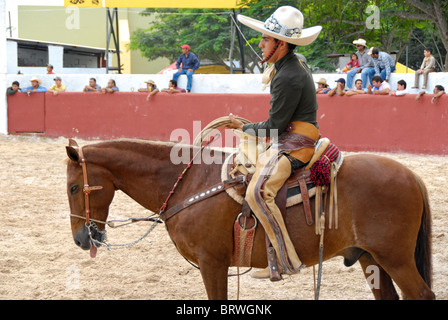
pixel 272 24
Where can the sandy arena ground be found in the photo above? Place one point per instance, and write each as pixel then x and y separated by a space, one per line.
pixel 39 259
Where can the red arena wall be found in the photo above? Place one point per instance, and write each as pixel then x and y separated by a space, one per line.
pixel 355 123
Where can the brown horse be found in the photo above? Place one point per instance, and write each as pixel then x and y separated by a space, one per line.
pixel 384 215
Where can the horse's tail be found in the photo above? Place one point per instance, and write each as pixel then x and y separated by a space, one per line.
pixel 423 250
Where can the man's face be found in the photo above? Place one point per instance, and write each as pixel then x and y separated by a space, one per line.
pixel 400 86
pixel 321 86
pixel 185 50
pixel 34 83
pixel 15 87
pixel 375 55
pixel 110 84
pixel 436 90
pixel 376 84
pixel 358 85
pixel 426 53
pixel 58 82
pixel 92 83
pixel 171 85
pixel 267 45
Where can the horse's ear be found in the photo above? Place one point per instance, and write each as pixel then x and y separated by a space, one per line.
pixel 72 153
pixel 72 143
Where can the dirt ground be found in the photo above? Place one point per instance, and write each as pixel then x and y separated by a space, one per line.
pixel 39 259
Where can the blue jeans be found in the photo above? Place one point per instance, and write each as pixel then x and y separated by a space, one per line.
pixel 383 72
pixel 189 77
pixel 365 73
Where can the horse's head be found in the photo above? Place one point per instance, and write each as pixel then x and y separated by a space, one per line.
pixel 90 191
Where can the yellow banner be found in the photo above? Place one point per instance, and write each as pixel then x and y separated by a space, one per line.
pixel 83 3
pixel 198 4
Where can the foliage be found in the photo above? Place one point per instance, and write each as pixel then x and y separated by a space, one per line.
pixel 390 25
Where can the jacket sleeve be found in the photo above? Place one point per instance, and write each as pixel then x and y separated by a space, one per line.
pixel 196 63
pixel 178 62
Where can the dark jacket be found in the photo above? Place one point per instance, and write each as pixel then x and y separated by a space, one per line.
pixel 293 97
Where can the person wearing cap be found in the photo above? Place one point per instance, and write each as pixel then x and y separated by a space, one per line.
pixel 50 69
pixel 384 64
pixel 366 66
pixel 36 86
pixel 57 87
pixel 339 89
pixel 291 125
pixel 322 86
pixel 187 64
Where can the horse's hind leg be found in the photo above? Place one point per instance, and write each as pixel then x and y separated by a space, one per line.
pixel 378 280
pixel 405 274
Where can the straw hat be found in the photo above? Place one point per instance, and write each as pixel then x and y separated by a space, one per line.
pixel 150 82
pixel 286 24
pixel 36 79
pixel 322 81
pixel 361 42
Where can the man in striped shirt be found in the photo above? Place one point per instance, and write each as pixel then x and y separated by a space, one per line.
pixel 383 63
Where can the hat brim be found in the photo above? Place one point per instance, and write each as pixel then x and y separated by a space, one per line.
pixel 307 36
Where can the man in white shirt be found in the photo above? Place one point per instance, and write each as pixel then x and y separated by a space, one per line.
pixel 379 86
pixel 401 89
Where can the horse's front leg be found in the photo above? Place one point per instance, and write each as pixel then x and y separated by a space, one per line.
pixel 214 274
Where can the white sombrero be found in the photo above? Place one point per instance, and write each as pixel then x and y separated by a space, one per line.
pixel 286 24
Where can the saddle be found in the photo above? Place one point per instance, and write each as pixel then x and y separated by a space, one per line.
pixel 316 178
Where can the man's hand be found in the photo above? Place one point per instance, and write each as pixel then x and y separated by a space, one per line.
pixel 235 124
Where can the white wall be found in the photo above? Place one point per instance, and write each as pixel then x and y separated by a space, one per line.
pixel 205 83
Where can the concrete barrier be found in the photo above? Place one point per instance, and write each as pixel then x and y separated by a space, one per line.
pixel 356 123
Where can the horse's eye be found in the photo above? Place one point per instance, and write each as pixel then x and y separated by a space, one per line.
pixel 74 189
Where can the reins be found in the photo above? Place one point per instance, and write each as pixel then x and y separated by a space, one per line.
pixel 91 223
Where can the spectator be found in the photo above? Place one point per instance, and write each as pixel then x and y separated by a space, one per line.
pixel 92 86
pixel 339 89
pixel 151 87
pixel 438 92
pixel 401 89
pixel 173 88
pixel 354 63
pixel 428 65
pixel 15 87
pixel 50 69
pixel 384 64
pixel 357 90
pixel 366 66
pixel 190 63
pixel 322 86
pixel 111 87
pixel 36 86
pixel 380 86
pixel 57 87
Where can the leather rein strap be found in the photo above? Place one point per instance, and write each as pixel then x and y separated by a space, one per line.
pixel 86 189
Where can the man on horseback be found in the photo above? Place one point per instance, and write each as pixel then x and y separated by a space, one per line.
pixel 291 126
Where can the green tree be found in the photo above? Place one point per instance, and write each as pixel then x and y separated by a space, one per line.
pixel 206 31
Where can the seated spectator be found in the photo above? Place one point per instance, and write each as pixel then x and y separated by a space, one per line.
pixel 50 69
pixel 380 86
pixel 357 90
pixel 428 65
pixel 383 63
pixel 36 86
pixel 111 87
pixel 57 87
pixel 151 87
pixel 438 92
pixel 354 63
pixel 401 89
pixel 339 89
pixel 173 88
pixel 15 87
pixel 92 86
pixel 322 86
